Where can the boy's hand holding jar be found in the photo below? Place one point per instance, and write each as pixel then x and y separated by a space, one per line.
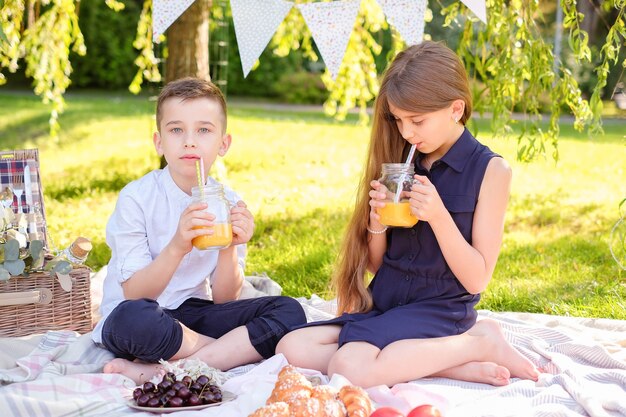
pixel 242 223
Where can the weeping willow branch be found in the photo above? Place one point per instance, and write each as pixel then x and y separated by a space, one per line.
pixel 146 62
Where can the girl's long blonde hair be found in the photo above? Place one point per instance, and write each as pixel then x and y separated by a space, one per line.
pixel 423 78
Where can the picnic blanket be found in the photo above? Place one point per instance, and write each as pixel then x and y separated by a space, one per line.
pixel 59 374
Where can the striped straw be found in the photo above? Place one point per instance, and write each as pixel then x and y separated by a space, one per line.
pixel 200 175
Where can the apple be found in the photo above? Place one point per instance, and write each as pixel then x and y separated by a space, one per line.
pixel 425 410
pixel 387 412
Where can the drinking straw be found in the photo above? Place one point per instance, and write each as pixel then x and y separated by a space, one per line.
pixel 400 185
pixel 200 175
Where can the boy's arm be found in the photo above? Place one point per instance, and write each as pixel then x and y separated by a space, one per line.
pixel 151 280
pixel 228 275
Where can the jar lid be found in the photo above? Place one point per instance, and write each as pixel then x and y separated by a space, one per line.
pixel 81 247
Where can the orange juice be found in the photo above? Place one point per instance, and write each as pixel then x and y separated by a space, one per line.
pixel 222 237
pixel 397 214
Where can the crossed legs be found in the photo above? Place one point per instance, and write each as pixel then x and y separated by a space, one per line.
pixel 482 354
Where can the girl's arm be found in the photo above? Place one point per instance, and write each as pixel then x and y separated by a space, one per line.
pixel 376 242
pixel 472 264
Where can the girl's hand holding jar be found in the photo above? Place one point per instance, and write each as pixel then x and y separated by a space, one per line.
pixel 425 201
pixel 393 209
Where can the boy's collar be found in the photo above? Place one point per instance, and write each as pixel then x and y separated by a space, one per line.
pixel 171 187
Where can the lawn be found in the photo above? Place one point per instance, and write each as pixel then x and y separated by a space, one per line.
pixel 298 173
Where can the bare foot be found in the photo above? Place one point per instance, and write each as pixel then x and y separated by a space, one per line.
pixel 483 372
pixel 498 350
pixel 137 371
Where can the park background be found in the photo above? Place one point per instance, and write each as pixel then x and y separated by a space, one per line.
pixel 298 168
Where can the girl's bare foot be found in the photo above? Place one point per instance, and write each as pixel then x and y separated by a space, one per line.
pixel 483 372
pixel 137 371
pixel 498 350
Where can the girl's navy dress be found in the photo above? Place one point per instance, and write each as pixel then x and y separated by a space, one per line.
pixel 415 293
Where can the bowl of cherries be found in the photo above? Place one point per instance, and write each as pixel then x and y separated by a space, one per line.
pixel 171 394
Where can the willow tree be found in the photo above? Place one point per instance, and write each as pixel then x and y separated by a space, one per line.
pixel 508 57
pixel 42 33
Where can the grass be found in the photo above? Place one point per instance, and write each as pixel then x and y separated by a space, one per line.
pixel 298 173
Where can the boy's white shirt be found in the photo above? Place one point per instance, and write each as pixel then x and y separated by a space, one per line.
pixel 144 221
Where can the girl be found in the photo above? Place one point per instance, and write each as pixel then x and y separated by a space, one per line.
pixel 416 318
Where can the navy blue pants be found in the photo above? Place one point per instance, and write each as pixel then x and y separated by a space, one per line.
pixel 141 329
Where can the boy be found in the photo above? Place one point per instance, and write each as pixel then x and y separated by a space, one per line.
pixel 156 302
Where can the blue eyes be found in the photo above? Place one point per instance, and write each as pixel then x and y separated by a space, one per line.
pixel 180 130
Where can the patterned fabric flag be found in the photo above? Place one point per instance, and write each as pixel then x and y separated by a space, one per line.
pixel 164 13
pixel 407 16
pixel 478 7
pixel 255 23
pixel 331 24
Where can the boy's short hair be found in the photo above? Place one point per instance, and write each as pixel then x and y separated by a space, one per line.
pixel 190 88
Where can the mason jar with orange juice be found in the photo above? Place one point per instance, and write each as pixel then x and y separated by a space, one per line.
pixel 397 179
pixel 213 196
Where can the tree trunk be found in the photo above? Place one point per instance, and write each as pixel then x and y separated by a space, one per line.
pixel 590 23
pixel 188 43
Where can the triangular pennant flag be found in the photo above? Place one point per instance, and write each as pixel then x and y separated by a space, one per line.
pixel 164 12
pixel 255 23
pixel 331 24
pixel 478 7
pixel 407 16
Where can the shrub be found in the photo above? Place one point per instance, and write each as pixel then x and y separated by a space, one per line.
pixel 301 87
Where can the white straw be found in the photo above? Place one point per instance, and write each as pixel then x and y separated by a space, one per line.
pixel 410 157
pixel 400 186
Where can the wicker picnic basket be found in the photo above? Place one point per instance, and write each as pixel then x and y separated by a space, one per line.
pixel 38 302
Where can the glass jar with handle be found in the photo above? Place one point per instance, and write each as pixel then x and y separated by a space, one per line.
pixel 218 205
pixel 397 180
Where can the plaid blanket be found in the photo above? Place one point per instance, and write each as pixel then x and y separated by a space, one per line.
pixel 585 360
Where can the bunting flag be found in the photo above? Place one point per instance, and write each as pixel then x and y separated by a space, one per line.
pixel 407 16
pixel 331 24
pixel 164 12
pixel 479 7
pixel 255 23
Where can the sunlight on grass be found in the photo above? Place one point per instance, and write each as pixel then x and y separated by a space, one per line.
pixel 298 173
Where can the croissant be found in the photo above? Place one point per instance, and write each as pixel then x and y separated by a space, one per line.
pixel 272 410
pixel 290 386
pixel 316 407
pixel 356 400
pixel 324 392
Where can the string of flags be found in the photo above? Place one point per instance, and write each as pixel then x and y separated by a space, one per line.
pixel 330 23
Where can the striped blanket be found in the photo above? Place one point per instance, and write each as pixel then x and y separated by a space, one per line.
pixel 59 374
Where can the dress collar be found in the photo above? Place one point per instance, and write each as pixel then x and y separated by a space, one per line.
pixel 458 155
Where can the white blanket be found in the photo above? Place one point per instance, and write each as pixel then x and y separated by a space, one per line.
pixel 58 374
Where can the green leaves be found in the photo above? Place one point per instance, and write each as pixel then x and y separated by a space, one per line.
pixel 16 262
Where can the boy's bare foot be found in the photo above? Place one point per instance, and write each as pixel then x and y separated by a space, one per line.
pixel 498 350
pixel 483 372
pixel 137 371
